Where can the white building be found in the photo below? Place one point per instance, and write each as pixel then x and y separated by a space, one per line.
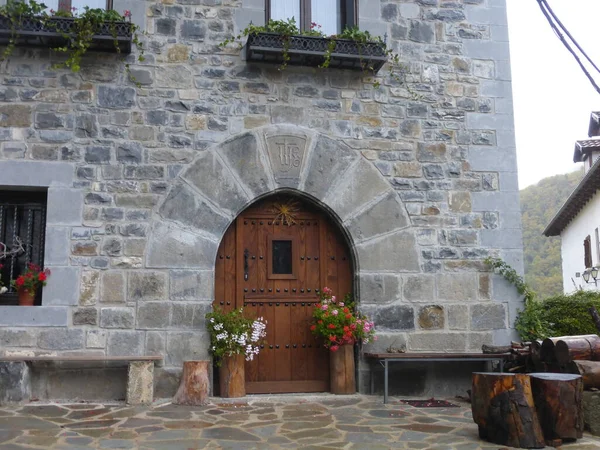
pixel 578 220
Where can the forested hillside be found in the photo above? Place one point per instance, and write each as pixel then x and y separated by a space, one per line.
pixel 539 204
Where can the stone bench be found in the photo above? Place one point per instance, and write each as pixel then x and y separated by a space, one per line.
pixel 15 381
pixel 386 358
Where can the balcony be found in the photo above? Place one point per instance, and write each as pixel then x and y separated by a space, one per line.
pixel 55 31
pixel 311 51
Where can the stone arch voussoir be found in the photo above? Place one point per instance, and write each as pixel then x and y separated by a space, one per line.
pixel 222 181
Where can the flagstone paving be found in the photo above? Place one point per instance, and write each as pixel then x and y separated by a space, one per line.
pixel 315 422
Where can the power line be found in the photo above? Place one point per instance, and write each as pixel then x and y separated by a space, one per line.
pixel 543 5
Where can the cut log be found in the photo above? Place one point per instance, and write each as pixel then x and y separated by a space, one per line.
pixel 503 408
pixel 535 358
pixel 547 351
pixel 595 317
pixel 571 348
pixel 557 398
pixel 194 385
pixel 590 373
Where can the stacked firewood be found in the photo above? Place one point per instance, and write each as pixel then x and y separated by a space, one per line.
pixel 566 354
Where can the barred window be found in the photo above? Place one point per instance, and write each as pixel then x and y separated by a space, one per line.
pixel 22 236
pixel 78 5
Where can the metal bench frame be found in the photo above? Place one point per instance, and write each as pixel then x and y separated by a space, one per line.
pixel 386 358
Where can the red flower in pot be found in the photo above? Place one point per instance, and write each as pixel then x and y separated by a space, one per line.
pixel 29 282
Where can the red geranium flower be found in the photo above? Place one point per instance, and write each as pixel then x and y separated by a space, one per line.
pixel 313 327
pixel 42 276
pixel 348 316
pixel 331 337
pixel 331 326
pixel 334 348
pixel 20 281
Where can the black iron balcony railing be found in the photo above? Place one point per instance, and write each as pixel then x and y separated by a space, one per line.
pixel 54 32
pixel 311 51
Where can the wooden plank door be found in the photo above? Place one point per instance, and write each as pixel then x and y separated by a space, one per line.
pixel 276 270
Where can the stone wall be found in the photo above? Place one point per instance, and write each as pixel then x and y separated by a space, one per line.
pixel 112 155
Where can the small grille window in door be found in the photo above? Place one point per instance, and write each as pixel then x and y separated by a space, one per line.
pixel 282 257
pixel 281 254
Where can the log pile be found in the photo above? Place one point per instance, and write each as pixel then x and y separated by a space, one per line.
pixel 553 372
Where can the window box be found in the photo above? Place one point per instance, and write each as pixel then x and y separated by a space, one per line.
pixel 311 51
pixel 34 32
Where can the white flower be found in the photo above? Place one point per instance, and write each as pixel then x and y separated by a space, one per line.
pixel 3 289
pixel 212 320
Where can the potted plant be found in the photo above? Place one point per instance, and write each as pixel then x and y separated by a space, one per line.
pixel 341 327
pixel 71 32
pixel 29 282
pixel 233 339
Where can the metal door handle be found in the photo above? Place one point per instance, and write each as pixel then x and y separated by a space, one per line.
pixel 246 255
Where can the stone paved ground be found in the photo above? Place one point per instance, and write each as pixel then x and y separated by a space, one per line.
pixel 318 422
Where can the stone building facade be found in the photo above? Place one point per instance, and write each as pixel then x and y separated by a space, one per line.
pixel 143 182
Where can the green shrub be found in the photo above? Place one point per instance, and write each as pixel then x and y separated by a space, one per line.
pixel 561 315
pixel 569 314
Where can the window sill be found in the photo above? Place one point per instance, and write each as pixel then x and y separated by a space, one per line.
pixel 33 316
pixel 310 51
pixel 33 32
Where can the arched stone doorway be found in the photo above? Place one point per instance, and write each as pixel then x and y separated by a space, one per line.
pixel 207 196
pixel 275 267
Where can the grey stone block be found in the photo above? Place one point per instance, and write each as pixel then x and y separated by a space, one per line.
pixel 495 201
pixel 458 286
pixel 418 288
pixel 209 176
pixel 385 341
pixel 378 288
pixel 591 411
pixel 113 287
pixel 191 285
pixel 147 286
pixel 153 315
pixel 96 339
pixel 173 77
pixel 36 173
pixel 116 97
pixel 15 383
pixel 385 216
pixel 458 317
pixel 156 342
pixel 245 160
pixel 26 316
pixel 117 318
pixel 125 343
pixel 396 317
pixel 185 206
pixel 476 340
pixel 62 287
pixel 17 338
pixel 502 238
pixel 61 339
pixel 65 206
pixel 395 252
pixel 437 342
pixel 85 316
pixel 186 345
pixel 488 316
pixel 172 247
pixel 329 161
pixel 189 316
pixel 56 249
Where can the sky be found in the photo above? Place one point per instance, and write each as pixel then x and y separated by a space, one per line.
pixel 552 97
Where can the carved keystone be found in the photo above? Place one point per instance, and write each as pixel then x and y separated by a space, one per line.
pixel 286 153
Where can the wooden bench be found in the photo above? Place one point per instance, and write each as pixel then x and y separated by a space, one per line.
pixel 386 358
pixel 140 372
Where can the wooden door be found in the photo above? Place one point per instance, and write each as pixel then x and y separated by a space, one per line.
pixel 276 270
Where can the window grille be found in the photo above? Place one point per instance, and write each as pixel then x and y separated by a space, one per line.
pixel 22 234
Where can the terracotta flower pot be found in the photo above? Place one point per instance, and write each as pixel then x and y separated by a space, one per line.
pixel 232 376
pixel 26 298
pixel 341 370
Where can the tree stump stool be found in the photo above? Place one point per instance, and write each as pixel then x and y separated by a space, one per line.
pixel 503 408
pixel 557 398
pixel 195 384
